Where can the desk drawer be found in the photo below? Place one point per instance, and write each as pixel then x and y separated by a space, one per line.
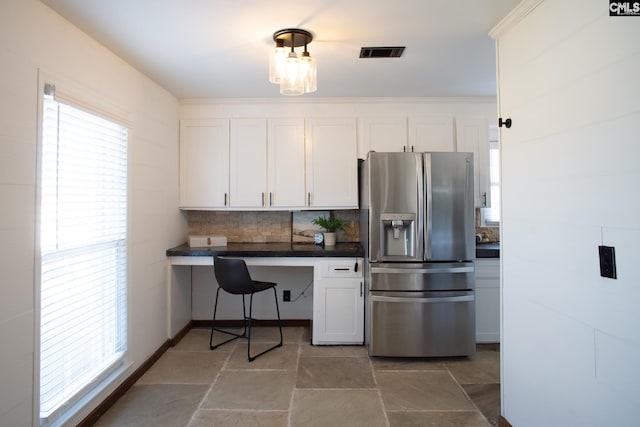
pixel 351 268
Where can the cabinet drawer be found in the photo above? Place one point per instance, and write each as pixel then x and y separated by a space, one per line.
pixel 340 269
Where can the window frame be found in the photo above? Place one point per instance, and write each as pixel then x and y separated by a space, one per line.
pixel 83 98
pixel 484 212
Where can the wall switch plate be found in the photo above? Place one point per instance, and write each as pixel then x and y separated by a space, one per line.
pixel 608 262
pixel 286 296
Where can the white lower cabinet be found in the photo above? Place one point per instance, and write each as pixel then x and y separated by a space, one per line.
pixel 338 302
pixel 487 300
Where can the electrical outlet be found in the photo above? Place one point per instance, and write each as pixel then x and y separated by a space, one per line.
pixel 286 296
pixel 607 262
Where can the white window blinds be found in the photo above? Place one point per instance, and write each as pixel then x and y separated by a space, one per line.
pixel 83 250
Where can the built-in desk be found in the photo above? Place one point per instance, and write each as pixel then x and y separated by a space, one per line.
pixel 338 285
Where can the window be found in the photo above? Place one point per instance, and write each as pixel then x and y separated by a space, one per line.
pixel 83 252
pixel 491 216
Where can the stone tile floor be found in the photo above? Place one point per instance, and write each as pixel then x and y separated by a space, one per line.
pixel 304 385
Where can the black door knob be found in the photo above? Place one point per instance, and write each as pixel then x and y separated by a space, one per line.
pixel 506 123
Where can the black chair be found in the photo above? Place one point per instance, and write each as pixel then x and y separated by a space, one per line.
pixel 233 276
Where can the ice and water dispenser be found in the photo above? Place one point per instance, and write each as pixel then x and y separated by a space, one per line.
pixel 397 233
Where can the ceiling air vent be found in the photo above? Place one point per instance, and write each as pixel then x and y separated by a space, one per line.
pixel 381 52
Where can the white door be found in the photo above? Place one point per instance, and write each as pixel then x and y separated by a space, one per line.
pixel 286 164
pixel 204 163
pixel 338 314
pixel 431 133
pixel 332 163
pixel 248 163
pixel 382 134
pixel 473 137
pixel 568 77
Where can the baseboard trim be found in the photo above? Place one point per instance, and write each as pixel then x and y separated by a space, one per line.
pixel 257 322
pixel 486 346
pixel 502 422
pixel 181 334
pixel 110 400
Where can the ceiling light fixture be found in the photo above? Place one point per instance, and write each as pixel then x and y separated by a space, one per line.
pixel 295 74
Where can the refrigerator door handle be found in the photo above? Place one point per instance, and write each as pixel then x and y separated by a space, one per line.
pixel 383 270
pixel 428 187
pixel 423 300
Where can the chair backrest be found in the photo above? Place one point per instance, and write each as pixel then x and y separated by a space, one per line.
pixel 232 275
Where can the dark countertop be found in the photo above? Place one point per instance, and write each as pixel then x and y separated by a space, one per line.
pixel 488 250
pixel 271 250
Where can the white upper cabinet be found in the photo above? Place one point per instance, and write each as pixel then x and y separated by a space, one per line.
pixel 332 163
pixel 286 163
pixel 204 163
pixel 382 134
pixel 248 163
pixel 267 164
pixel 473 137
pixel 431 133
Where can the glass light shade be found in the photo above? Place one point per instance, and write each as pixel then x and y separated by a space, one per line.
pixel 292 81
pixel 277 59
pixel 309 70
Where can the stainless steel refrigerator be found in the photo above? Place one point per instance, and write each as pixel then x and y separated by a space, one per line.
pixel 417 227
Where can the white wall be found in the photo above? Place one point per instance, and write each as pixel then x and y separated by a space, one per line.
pixel 570 182
pixel 33 37
pixel 294 279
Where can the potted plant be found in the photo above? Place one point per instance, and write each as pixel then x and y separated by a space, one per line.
pixel 330 225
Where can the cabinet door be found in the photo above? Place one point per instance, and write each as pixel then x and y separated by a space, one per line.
pixel 332 163
pixel 338 311
pixel 382 134
pixel 286 166
pixel 473 137
pixel 248 163
pixel 487 300
pixel 431 133
pixel 204 163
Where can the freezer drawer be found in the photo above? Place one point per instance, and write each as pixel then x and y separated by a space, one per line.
pixel 422 277
pixel 422 324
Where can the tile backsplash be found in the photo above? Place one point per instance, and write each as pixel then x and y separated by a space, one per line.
pixel 489 234
pixel 264 226
pixel 277 226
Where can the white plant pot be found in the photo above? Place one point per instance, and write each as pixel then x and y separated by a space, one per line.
pixel 329 239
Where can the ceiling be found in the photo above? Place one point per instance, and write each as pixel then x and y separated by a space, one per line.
pixel 219 48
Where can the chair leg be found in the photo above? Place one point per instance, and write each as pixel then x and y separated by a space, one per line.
pixel 213 326
pixel 244 316
pixel 275 295
pixel 252 358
